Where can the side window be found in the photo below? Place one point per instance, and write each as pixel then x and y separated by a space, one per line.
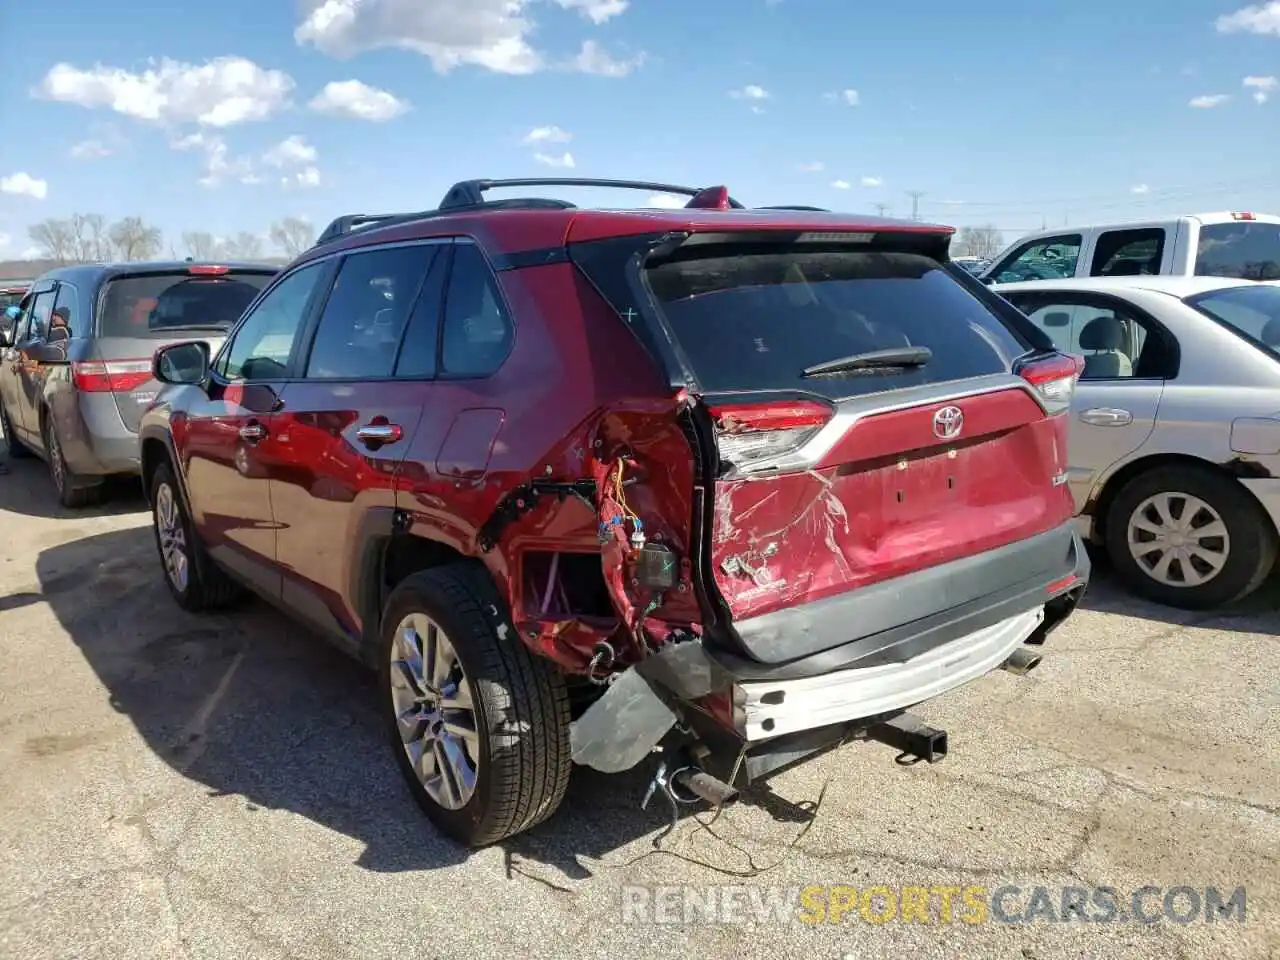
pixel 1052 258
pixel 364 319
pixel 1128 253
pixel 1116 343
pixel 477 332
pixel 66 314
pixel 419 349
pixel 40 313
pixel 262 345
pixel 22 322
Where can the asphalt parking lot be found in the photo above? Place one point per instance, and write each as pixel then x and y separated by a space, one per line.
pixel 217 787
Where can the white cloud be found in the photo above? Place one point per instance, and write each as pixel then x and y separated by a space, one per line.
pixel 551 134
pixel 219 165
pixel 1262 87
pixel 872 182
pixel 305 178
pixel 290 152
pixel 1260 18
pixel 89 150
pixel 220 93
pixel 31 253
pixel 750 92
pixel 597 11
pixel 351 98
pixel 814 167
pixel 849 97
pixel 1140 188
pixel 593 59
pixel 1208 100
pixel 840 184
pixel 565 160
pixel 24 185
pixel 491 34
pixel 5 241
pixel 667 201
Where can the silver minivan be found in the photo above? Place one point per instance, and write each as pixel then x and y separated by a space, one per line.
pixel 75 370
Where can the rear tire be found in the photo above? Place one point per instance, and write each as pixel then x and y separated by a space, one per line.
pixel 508 768
pixel 1189 537
pixel 13 446
pixel 196 582
pixel 73 491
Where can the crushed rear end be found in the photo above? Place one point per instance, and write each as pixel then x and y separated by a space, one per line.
pixel 878 511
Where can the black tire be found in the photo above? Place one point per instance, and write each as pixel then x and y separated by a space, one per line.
pixel 206 586
pixel 73 491
pixel 520 704
pixel 12 445
pixel 1250 544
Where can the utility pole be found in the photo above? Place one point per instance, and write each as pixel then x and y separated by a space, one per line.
pixel 915 196
pixel 882 209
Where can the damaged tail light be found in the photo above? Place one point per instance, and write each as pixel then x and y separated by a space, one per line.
pixel 1053 378
pixel 750 433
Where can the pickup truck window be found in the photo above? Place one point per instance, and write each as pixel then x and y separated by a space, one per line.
pixel 1128 253
pixel 1049 258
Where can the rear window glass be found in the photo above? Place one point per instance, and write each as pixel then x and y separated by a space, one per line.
pixel 757 322
pixel 1248 310
pixel 155 304
pixel 1250 251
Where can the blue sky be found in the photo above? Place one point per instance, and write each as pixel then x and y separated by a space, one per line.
pixel 226 117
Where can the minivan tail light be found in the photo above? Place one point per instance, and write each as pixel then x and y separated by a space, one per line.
pixel 749 433
pixel 1053 378
pixel 113 376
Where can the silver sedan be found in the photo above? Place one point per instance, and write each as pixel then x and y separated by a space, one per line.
pixel 1174 450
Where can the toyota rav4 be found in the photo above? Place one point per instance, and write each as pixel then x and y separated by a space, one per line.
pixel 720 484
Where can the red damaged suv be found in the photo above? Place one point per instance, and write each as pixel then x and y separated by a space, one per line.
pixel 719 484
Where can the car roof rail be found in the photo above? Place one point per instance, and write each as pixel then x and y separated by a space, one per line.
pixel 796 206
pixel 470 193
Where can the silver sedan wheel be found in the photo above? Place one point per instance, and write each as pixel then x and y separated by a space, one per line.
pixel 435 711
pixel 1178 540
pixel 173 538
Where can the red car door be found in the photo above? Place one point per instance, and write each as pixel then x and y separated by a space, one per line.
pixel 346 422
pixel 228 436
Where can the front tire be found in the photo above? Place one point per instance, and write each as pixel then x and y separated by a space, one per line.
pixel 479 726
pixel 194 580
pixel 1189 537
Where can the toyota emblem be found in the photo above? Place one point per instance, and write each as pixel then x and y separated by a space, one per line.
pixel 948 422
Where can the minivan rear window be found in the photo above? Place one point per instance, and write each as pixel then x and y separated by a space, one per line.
pixel 758 321
pixel 1245 249
pixel 153 305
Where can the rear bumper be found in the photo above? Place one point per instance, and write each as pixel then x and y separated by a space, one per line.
pixel 95 440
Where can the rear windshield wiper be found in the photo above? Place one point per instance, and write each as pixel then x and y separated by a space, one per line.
pixel 892 357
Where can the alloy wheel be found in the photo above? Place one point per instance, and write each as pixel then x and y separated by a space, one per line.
pixel 435 711
pixel 1178 540
pixel 173 538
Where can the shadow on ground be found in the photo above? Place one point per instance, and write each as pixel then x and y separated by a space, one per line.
pixel 26 489
pixel 249 704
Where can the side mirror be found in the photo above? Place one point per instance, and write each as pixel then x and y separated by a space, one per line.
pixel 181 363
pixel 988 280
pixel 6 340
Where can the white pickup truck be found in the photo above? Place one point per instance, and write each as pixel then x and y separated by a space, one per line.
pixel 1228 244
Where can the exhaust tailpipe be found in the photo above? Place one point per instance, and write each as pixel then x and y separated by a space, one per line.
pixel 1022 661
pixel 691 780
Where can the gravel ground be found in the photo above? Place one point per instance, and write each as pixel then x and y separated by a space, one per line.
pixel 218 787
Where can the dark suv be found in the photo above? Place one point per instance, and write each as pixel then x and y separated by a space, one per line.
pixel 584 485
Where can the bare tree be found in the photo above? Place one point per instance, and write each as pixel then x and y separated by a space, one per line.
pixel 99 240
pixel 55 238
pixel 200 244
pixel 243 246
pixel 980 241
pixel 135 240
pixel 292 235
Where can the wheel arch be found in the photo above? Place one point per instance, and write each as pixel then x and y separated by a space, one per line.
pixel 1101 506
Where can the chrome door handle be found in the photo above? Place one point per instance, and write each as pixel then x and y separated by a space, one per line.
pixel 253 432
pixel 1107 417
pixel 379 433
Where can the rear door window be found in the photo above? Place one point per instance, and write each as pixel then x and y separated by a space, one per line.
pixel 156 304
pixel 758 321
pixel 1128 253
pixel 1250 251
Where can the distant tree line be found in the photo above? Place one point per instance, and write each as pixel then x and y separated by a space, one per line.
pixel 88 238
pixel 983 242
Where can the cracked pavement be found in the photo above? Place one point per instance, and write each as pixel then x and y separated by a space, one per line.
pixel 209 787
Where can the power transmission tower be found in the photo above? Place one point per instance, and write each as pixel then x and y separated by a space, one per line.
pixel 915 196
pixel 882 209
